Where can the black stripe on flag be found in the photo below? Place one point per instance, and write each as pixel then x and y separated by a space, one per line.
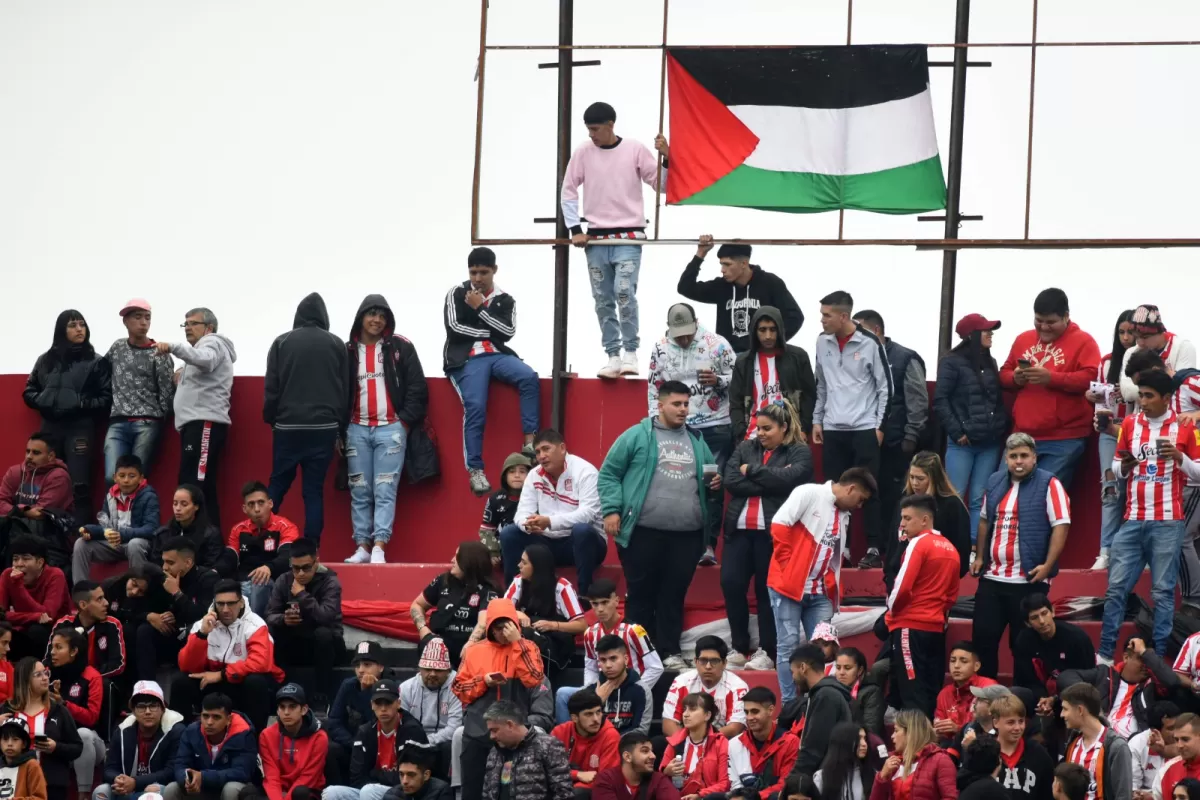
pixel 808 77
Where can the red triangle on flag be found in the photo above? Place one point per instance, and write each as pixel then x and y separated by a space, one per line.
pixel 707 140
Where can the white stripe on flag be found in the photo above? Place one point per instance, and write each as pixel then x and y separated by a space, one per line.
pixel 841 141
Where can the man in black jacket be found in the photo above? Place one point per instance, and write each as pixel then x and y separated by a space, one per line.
pixel 388 398
pixel 1046 648
pixel 828 703
pixel 742 289
pixel 191 588
pixel 770 370
pixel 1129 690
pixel 480 320
pixel 416 776
pixel 141 753
pixel 304 401
pixel 304 616
pixel 372 773
pixel 105 636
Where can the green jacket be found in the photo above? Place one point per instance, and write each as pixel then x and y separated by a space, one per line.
pixel 627 469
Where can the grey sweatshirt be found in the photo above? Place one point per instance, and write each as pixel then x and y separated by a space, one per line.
pixel 143 381
pixel 854 383
pixel 207 380
pixel 439 711
pixel 673 500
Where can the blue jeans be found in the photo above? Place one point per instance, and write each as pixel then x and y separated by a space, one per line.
pixel 1059 457
pixel 375 458
pixel 1112 493
pixel 584 549
pixel 969 467
pixel 561 698
pixel 257 596
pixel 790 617
pixel 371 791
pixel 1136 545
pixel 614 272
pixel 125 437
pixel 472 380
pixel 311 452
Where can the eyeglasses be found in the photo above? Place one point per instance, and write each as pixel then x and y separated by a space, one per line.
pixel 42 673
pixel 709 662
pixel 226 603
pixel 190 324
pixel 144 707
pixel 304 567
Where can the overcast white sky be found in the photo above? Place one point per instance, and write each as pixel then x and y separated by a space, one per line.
pixel 241 153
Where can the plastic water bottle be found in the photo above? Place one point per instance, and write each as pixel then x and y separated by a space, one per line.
pixel 678 779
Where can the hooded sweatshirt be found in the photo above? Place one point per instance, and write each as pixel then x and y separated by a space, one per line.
pixel 24 775
pixel 47 486
pixel 589 753
pixel 630 707
pixel 235 759
pixel 206 382
pixel 48 594
pixel 759 379
pixel 290 761
pixel 828 704
pixel 706 766
pixel 134 517
pixel 392 359
pixel 736 305
pixel 307 370
pixel 438 710
pixel 236 650
pixel 520 662
pixel 123 751
pixel 1058 410
pixel 770 761
pixel 501 507
pixel 709 405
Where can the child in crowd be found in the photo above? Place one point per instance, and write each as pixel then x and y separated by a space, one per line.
pixel 825 636
pixel 124 525
pixel 955 700
pixel 501 507
pixel 21 776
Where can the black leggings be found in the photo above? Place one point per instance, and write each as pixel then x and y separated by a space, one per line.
pixel 746 557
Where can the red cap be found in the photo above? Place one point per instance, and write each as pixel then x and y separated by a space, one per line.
pixel 974 322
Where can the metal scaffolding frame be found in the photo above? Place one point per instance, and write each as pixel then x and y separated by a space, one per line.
pixel 950 243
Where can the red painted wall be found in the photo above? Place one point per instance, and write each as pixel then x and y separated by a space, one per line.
pixel 432 517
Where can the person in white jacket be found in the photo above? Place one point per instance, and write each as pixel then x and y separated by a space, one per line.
pixel 427 697
pixel 1150 333
pixel 560 507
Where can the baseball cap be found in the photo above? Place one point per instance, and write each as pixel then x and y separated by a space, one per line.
pixel 386 689
pixel 135 304
pixel 435 655
pixel 990 693
pixel 681 320
pixel 975 322
pixel 147 689
pixel 367 651
pixel 825 632
pixel 18 726
pixel 293 692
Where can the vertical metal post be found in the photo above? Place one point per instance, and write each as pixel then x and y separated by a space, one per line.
pixel 958 104
pixel 562 252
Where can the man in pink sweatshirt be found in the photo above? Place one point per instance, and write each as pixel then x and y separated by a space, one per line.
pixel 612 169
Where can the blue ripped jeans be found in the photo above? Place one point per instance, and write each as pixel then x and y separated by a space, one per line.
pixel 614 274
pixel 791 618
pixel 375 458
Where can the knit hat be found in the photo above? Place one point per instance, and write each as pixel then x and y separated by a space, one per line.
pixel 135 304
pixel 435 655
pixel 825 632
pixel 681 320
pixel 1148 320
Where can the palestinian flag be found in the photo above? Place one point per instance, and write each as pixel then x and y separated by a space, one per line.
pixel 804 129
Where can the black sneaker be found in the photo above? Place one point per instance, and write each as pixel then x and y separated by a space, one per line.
pixel 871 560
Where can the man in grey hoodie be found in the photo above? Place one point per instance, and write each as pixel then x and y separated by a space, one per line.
pixel 202 402
pixel 428 697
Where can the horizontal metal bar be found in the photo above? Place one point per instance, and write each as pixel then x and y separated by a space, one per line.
pixel 920 244
pixel 551 220
pixel 554 64
pixel 951 63
pixel 1181 43
pixel 942 218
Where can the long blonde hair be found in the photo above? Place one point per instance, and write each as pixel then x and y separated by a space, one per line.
pixel 931 464
pixel 918 734
pixel 783 413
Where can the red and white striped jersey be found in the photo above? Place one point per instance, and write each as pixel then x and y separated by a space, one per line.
pixel 830 668
pixel 827 551
pixel 1005 545
pixel 1085 756
pixel 372 404
pixel 728 694
pixel 1187 397
pixel 483 346
pixel 766 388
pixel 1121 716
pixel 1188 660
pixel 1119 408
pixel 752 517
pixel 565 599
pixel 642 657
pixel 1155 484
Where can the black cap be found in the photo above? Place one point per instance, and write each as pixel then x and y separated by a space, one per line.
pixel 293 692
pixel 387 689
pixel 19 727
pixel 367 651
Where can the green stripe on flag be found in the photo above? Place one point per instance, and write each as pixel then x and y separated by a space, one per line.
pixel 902 190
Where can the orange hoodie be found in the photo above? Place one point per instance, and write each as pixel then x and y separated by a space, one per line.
pixel 520 661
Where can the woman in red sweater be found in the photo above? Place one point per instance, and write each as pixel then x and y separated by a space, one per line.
pixel 698 755
pixel 80 689
pixel 918 769
pixel 6 667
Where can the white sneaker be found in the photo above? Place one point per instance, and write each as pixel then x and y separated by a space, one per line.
pixel 1101 561
pixel 675 663
pixel 735 660
pixel 761 661
pixel 377 555
pixel 361 556
pixel 612 369
pixel 629 363
pixel 1103 661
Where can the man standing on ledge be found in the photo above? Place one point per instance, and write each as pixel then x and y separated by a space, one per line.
pixel 739 293
pixel 202 402
pixel 613 170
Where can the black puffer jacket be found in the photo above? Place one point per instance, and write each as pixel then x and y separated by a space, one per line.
pixel 969 402
pixel 76 384
pixel 305 385
pixel 789 466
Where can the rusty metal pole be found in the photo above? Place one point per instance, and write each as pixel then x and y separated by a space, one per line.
pixel 958 105
pixel 562 252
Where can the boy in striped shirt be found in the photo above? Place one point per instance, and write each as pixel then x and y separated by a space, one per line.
pixel 1157 453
